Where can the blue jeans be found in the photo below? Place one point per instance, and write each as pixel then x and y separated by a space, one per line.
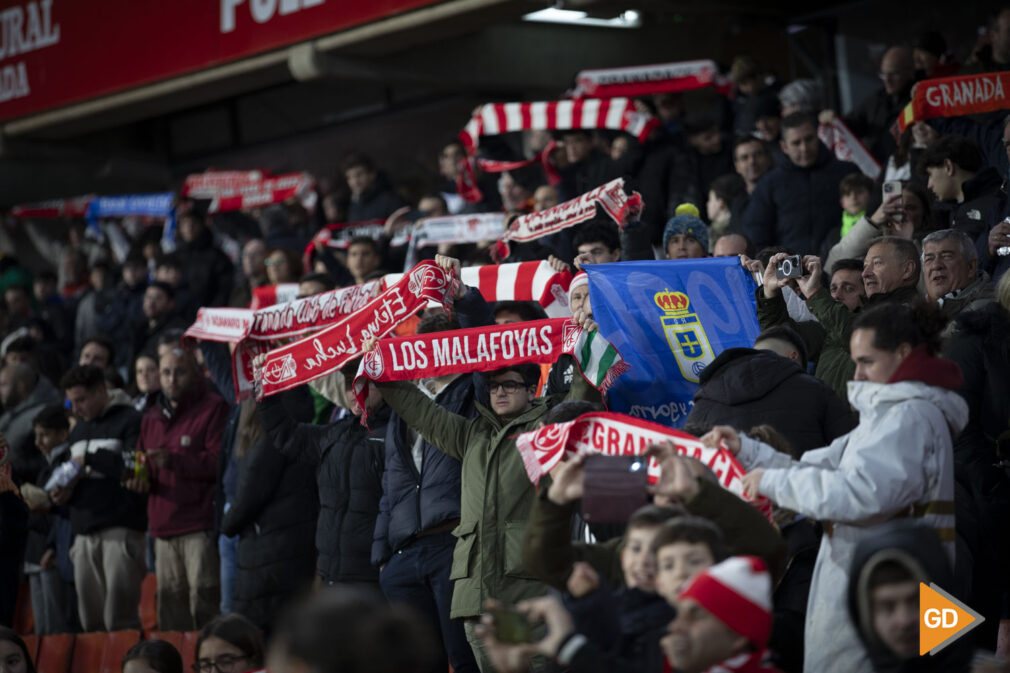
pixel 227 548
pixel 418 575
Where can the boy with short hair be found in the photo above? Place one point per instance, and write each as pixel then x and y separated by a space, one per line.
pixel 683 548
pixel 854 195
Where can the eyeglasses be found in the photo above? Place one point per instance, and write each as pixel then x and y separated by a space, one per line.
pixel 508 386
pixel 223 664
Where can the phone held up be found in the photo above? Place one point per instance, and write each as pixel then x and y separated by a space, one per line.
pixel 614 488
pixel 790 267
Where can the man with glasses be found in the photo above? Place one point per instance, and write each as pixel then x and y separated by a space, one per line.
pixel 872 118
pixel 497 494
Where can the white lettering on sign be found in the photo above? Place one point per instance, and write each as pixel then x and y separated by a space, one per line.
pixel 262 11
pixel 967 92
pixel 23 30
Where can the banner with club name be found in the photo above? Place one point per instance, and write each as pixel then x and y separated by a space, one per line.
pixel 669 319
pixel 239 190
pixel 956 96
pixel 476 349
pixel 613 434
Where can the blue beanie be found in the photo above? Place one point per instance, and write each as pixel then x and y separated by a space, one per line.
pixel 687 223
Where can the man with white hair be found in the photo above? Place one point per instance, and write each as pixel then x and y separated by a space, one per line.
pixel 950 272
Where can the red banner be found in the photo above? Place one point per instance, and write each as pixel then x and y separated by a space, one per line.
pixel 56 208
pixel 328 350
pixel 956 96
pixel 238 190
pixel 58 52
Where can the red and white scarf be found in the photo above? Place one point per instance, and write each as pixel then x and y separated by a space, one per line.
pixel 616 114
pixel 614 434
pixel 610 197
pixel 238 190
pixel 268 295
pixel 643 80
pixel 328 350
pixel 518 281
pixel 459 229
pixel 956 96
pixel 75 207
pixel 283 320
pixel 483 348
pixel 466 176
pixel 846 147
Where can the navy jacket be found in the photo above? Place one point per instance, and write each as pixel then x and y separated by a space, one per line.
pixel 797 207
pixel 414 501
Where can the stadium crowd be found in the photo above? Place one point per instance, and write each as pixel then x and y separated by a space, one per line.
pixel 873 412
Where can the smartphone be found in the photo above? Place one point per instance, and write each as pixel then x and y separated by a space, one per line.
pixel 892 190
pixel 614 488
pixel 511 626
pixel 790 267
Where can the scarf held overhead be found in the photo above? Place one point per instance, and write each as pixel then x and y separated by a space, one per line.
pixel 644 80
pixel 482 348
pixel 611 197
pixel 956 96
pixel 847 147
pixel 328 350
pixel 238 190
pixel 616 114
pixel 614 434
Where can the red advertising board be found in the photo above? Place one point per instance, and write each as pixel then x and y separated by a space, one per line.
pixel 57 52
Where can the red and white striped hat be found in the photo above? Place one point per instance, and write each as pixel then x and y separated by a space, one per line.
pixel 738 592
pixel 578 280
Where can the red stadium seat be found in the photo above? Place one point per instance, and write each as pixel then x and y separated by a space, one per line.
pixel 117 645
pixel 54 653
pixel 188 649
pixel 32 643
pixel 24 618
pixel 148 603
pixel 88 651
pixel 172 637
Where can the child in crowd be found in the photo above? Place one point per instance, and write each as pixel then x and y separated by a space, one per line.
pixel 854 192
pixel 683 548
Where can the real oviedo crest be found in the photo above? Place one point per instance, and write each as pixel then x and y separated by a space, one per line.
pixel 684 333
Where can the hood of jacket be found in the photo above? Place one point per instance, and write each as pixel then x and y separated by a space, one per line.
pixel 986 181
pixel 871 399
pixel 918 549
pixel 43 393
pixel 741 375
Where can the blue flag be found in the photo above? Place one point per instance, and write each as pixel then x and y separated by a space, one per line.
pixel 669 319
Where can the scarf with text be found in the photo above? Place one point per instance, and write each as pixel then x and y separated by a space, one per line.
pixel 281 320
pixel 844 144
pixel 614 434
pixel 644 80
pixel 610 197
pixel 329 349
pixel 239 190
pixel 268 295
pixel 956 96
pixel 615 114
pixel 75 207
pixel 477 349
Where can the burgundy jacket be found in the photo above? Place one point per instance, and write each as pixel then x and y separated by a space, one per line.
pixel 182 495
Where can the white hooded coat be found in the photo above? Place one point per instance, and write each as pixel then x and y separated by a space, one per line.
pixel 898 462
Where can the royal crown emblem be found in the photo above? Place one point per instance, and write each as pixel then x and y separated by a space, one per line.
pixel 684 333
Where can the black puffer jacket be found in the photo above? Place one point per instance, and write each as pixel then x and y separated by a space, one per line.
pixel 275 514
pixel 350 460
pixel 208 271
pixel 415 501
pixel 982 197
pixel 744 387
pixel 797 207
